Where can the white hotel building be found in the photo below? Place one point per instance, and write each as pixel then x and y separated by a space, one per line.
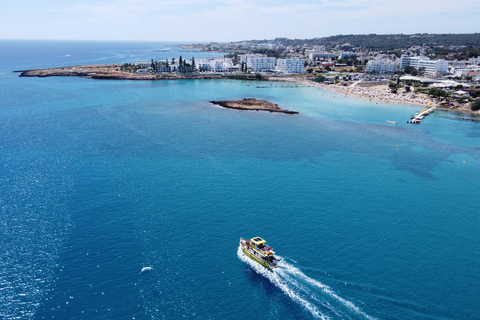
pixel 216 65
pixel 430 66
pixel 381 66
pixel 474 60
pixel 312 54
pixel 258 64
pixel 290 65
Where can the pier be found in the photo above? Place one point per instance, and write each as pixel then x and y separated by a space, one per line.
pixel 419 116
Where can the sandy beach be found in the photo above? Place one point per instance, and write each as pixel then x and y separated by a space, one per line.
pixel 357 89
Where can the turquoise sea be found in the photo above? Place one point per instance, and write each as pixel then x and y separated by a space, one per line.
pixel 100 178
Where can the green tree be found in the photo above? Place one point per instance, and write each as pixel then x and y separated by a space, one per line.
pixel 475 105
pixel 411 70
pixel 320 79
pixel 437 92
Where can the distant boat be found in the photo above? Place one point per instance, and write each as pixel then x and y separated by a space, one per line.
pixel 145 269
pixel 394 122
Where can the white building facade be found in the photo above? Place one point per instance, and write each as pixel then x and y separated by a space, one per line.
pixel 312 54
pixel 216 65
pixel 258 64
pixel 381 66
pixel 164 68
pixel 290 65
pixel 474 60
pixel 429 66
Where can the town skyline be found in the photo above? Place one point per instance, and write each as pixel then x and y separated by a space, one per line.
pixel 212 20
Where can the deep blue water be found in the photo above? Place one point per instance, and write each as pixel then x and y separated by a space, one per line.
pixel 100 178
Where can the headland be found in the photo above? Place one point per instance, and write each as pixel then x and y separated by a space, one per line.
pixel 114 72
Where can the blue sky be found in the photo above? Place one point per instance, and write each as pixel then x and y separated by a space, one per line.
pixel 231 20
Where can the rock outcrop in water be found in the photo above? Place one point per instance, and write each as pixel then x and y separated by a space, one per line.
pixel 252 104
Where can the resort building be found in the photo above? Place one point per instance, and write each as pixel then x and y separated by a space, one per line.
pixel 474 60
pixel 381 66
pixel 203 64
pixel 346 55
pixel 422 62
pixel 258 64
pixel 216 65
pixel 313 54
pixel 244 57
pixel 164 68
pixel 268 46
pixel 290 65
pixel 459 72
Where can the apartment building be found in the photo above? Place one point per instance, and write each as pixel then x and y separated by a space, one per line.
pixel 429 66
pixel 290 65
pixel 381 66
pixel 258 64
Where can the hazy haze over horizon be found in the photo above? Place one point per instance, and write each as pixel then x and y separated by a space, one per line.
pixel 214 20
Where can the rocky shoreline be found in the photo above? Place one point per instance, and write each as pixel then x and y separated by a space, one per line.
pixel 252 105
pixel 113 72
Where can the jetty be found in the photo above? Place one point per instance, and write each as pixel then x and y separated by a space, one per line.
pixel 419 116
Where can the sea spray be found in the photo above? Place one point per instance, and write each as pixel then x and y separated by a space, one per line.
pixel 286 287
pixel 302 289
pixel 292 270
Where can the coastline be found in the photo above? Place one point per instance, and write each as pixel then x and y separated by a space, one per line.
pixel 379 93
pixel 358 89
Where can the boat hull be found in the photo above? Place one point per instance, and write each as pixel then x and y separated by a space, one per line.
pixel 253 257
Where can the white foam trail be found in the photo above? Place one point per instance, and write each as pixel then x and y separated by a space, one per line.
pixel 276 280
pixel 285 267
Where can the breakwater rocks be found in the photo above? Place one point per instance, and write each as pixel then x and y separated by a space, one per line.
pixel 253 105
pixel 466 119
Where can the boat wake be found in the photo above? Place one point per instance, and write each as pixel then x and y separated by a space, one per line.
pixel 321 301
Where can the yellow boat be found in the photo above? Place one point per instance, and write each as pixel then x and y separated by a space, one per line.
pixel 257 249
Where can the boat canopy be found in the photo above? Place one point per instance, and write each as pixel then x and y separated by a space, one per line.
pixel 258 241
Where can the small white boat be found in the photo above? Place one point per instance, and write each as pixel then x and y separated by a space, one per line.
pixel 145 269
pixel 393 122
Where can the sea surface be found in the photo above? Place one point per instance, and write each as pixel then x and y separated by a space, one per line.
pixel 100 178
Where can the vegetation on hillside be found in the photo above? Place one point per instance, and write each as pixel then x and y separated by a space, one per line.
pixel 390 42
